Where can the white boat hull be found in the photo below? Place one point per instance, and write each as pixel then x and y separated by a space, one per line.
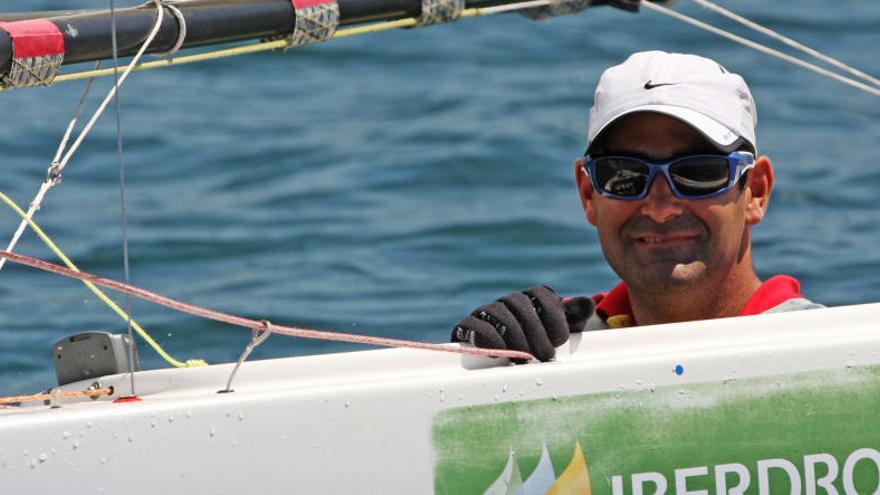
pixel 788 397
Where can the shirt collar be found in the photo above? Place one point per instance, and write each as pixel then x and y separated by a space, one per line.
pixel 614 307
pixel 773 292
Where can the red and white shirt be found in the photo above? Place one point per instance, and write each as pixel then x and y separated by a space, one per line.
pixel 777 294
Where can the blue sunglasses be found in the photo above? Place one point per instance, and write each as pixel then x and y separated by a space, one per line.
pixel 689 177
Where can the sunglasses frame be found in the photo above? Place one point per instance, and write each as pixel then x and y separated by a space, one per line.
pixel 738 162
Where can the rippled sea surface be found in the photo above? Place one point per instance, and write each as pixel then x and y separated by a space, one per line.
pixel 387 184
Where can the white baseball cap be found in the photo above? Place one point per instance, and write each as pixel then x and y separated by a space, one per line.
pixel 693 89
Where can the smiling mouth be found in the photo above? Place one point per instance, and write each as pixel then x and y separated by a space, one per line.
pixel 661 241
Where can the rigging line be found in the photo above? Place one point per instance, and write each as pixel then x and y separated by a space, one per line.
pixel 58 164
pixel 183 60
pixel 52 178
pixel 256 324
pixel 181 33
pixel 121 158
pixel 88 127
pixel 510 7
pixel 98 292
pixel 761 48
pixel 788 41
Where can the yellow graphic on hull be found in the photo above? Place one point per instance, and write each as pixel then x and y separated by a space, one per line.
pixel 575 479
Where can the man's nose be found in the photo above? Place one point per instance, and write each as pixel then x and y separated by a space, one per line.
pixel 660 205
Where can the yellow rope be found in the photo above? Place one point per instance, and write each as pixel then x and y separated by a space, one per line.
pixel 252 48
pixel 122 314
pixel 188 59
pixel 377 27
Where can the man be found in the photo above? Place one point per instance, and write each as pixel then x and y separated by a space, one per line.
pixel 673 184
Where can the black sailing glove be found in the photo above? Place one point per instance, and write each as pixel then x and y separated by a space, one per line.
pixel 535 320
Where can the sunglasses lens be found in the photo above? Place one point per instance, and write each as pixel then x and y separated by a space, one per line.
pixel 622 176
pixel 700 175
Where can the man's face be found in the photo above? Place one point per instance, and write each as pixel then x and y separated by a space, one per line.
pixel 662 243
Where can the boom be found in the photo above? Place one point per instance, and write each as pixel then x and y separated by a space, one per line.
pixel 87 36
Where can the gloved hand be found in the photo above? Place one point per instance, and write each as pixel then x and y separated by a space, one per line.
pixel 535 320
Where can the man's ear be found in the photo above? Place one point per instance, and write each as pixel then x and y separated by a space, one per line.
pixel 585 190
pixel 758 186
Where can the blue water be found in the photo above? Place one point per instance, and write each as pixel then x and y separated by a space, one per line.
pixel 389 183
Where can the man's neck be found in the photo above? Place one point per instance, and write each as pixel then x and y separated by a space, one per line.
pixel 699 302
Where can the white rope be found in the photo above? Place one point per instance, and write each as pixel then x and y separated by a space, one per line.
pixel 88 127
pixel 181 31
pixel 258 336
pixel 53 177
pixel 761 48
pixel 58 164
pixel 788 41
pixel 516 6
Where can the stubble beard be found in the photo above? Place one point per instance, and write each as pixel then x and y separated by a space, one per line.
pixel 662 277
pixel 678 269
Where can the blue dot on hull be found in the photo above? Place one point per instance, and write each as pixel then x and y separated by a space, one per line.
pixel 679 369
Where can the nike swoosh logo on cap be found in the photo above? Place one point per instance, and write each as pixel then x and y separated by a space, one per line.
pixel 648 84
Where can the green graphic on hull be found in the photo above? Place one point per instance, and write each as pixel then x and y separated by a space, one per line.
pixel 811 433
